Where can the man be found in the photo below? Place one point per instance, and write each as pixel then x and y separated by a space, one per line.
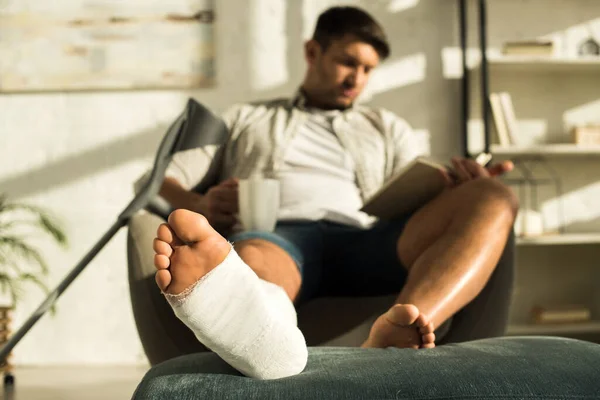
pixel 329 154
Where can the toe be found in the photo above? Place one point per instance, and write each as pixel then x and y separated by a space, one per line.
pixel 403 314
pixel 428 346
pixel 425 325
pixel 426 329
pixel 165 233
pixel 161 247
pixel 161 261
pixel 428 338
pixel 163 279
pixel 189 226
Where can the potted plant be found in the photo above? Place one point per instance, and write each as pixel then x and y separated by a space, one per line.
pixel 20 261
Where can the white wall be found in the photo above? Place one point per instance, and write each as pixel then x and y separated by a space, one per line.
pixel 548 103
pixel 79 153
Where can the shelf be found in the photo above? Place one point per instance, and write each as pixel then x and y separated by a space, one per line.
pixel 560 239
pixel 554 329
pixel 543 64
pixel 558 149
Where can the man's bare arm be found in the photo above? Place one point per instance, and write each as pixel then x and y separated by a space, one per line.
pixel 178 197
pixel 219 205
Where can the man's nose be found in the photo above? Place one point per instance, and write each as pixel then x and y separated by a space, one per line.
pixel 359 77
pixel 351 78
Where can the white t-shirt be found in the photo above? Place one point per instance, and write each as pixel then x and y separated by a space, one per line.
pixel 317 178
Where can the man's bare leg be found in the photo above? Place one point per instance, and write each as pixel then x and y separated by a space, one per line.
pixel 271 263
pixel 450 248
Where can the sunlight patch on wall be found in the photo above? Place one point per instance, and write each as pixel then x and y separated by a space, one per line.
pixel 395 74
pixel 397 6
pixel 268 44
pixel 452 61
pixel 588 113
pixel 577 205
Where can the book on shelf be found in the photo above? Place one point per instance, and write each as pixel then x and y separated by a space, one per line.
pixel 529 48
pixel 586 135
pixel 563 314
pixel 505 120
pixel 510 117
pixel 499 120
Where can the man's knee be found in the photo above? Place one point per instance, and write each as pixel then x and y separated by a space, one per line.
pixel 492 194
pixel 262 256
pixel 271 263
pixel 252 252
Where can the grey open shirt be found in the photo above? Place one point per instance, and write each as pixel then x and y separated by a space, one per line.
pixel 260 133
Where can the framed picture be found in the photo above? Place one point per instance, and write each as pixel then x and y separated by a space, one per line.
pixel 106 45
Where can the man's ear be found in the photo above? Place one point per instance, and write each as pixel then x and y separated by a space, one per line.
pixel 312 50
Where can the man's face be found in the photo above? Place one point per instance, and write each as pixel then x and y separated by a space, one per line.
pixel 341 72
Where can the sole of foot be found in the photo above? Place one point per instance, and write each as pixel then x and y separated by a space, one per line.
pixel 187 248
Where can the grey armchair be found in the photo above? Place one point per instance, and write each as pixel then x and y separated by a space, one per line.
pixel 486 368
pixel 324 321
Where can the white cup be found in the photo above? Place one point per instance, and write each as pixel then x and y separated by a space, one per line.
pixel 258 203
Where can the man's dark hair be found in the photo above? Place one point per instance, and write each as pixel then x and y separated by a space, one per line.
pixel 336 22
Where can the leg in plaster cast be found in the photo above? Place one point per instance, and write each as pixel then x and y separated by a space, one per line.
pixel 277 271
pixel 450 247
pixel 224 302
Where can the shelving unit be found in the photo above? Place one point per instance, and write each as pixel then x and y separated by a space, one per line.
pixel 536 256
pixel 560 239
pixel 558 149
pixel 555 329
pixel 503 63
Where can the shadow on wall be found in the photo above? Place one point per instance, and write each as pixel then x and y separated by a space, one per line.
pixel 420 30
pixel 573 96
pixel 521 19
pixel 589 225
pixel 258 60
pixel 68 169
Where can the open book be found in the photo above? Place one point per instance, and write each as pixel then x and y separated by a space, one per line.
pixel 416 184
pixel 411 188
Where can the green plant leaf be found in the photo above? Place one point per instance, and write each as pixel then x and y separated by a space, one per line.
pixel 15 251
pixel 6 226
pixel 53 229
pixel 34 279
pixel 14 288
pixel 12 266
pixel 45 220
pixel 18 247
pixel 5 282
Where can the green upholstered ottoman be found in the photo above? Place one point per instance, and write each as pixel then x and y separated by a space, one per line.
pixel 499 368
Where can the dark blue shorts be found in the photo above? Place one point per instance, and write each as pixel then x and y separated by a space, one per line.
pixel 340 260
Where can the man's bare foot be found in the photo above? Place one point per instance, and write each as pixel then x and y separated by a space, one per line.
pixel 402 326
pixel 187 248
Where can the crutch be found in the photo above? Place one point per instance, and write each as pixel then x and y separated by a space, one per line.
pixel 196 126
